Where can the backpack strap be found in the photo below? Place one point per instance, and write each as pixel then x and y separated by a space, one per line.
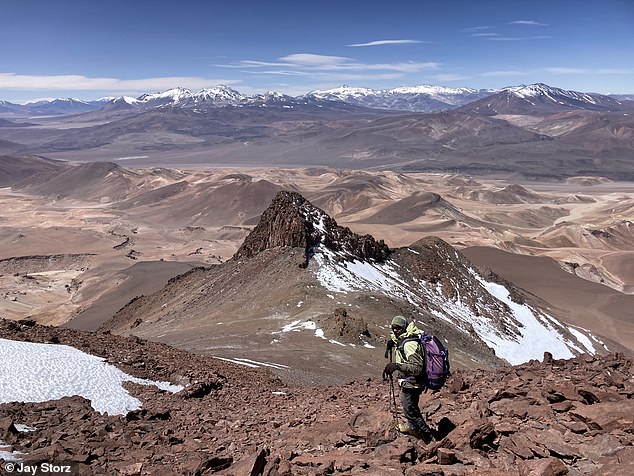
pixel 415 379
pixel 401 346
pixel 420 340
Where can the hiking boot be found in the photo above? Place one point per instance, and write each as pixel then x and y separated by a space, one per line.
pixel 407 430
pixel 426 436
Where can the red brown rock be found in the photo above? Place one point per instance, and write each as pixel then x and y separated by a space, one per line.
pixel 228 420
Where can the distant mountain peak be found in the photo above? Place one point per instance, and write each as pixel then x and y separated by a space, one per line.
pixel 538 89
pixel 429 89
pixel 540 99
pixel 220 87
pixel 175 94
pixel 219 90
pixel 59 101
pixel 556 94
pixel 292 221
pixel 344 89
pixel 422 98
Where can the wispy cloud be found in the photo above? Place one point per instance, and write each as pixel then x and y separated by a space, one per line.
pixel 492 33
pixel 326 68
pixel 312 62
pixel 330 76
pixel 518 38
pixel 299 60
pixel 316 61
pixel 85 83
pixel 476 29
pixel 388 42
pixel 527 22
pixel 278 72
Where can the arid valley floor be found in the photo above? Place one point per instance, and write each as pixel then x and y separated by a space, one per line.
pixel 81 246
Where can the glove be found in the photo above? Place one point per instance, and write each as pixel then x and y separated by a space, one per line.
pixel 389 370
pixel 388 348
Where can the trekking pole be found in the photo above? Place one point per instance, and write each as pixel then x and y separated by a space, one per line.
pixel 393 407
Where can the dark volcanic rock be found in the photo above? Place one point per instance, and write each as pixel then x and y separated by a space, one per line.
pixel 350 327
pixel 293 221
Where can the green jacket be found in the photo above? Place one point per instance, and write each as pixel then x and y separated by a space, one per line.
pixel 409 357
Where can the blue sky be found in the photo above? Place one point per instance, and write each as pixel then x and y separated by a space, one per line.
pixel 90 49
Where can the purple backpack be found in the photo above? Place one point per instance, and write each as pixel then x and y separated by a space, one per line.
pixel 435 357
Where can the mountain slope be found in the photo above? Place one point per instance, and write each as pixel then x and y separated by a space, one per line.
pixel 540 99
pixel 534 131
pixel 231 202
pixel 297 273
pixel 14 170
pixel 94 181
pixel 416 205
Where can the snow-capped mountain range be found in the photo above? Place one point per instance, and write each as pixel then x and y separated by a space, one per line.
pixel 423 98
pixel 541 98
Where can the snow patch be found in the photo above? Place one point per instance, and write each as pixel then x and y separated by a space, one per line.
pixel 235 361
pixel 298 325
pixel 9 456
pixel 33 372
pixel 529 333
pixel 583 339
pixel 332 341
pixel 534 338
pixel 262 364
pixel 23 428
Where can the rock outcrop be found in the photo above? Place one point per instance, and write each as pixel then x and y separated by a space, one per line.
pixel 293 221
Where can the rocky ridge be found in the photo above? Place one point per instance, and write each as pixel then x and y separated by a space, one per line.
pixel 297 266
pixel 554 417
pixel 292 221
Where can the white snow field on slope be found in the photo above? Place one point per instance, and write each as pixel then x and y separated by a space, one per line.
pixel 536 332
pixel 31 372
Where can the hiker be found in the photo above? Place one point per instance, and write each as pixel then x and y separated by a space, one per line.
pixel 411 366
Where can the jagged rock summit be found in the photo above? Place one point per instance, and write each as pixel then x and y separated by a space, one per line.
pixel 293 221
